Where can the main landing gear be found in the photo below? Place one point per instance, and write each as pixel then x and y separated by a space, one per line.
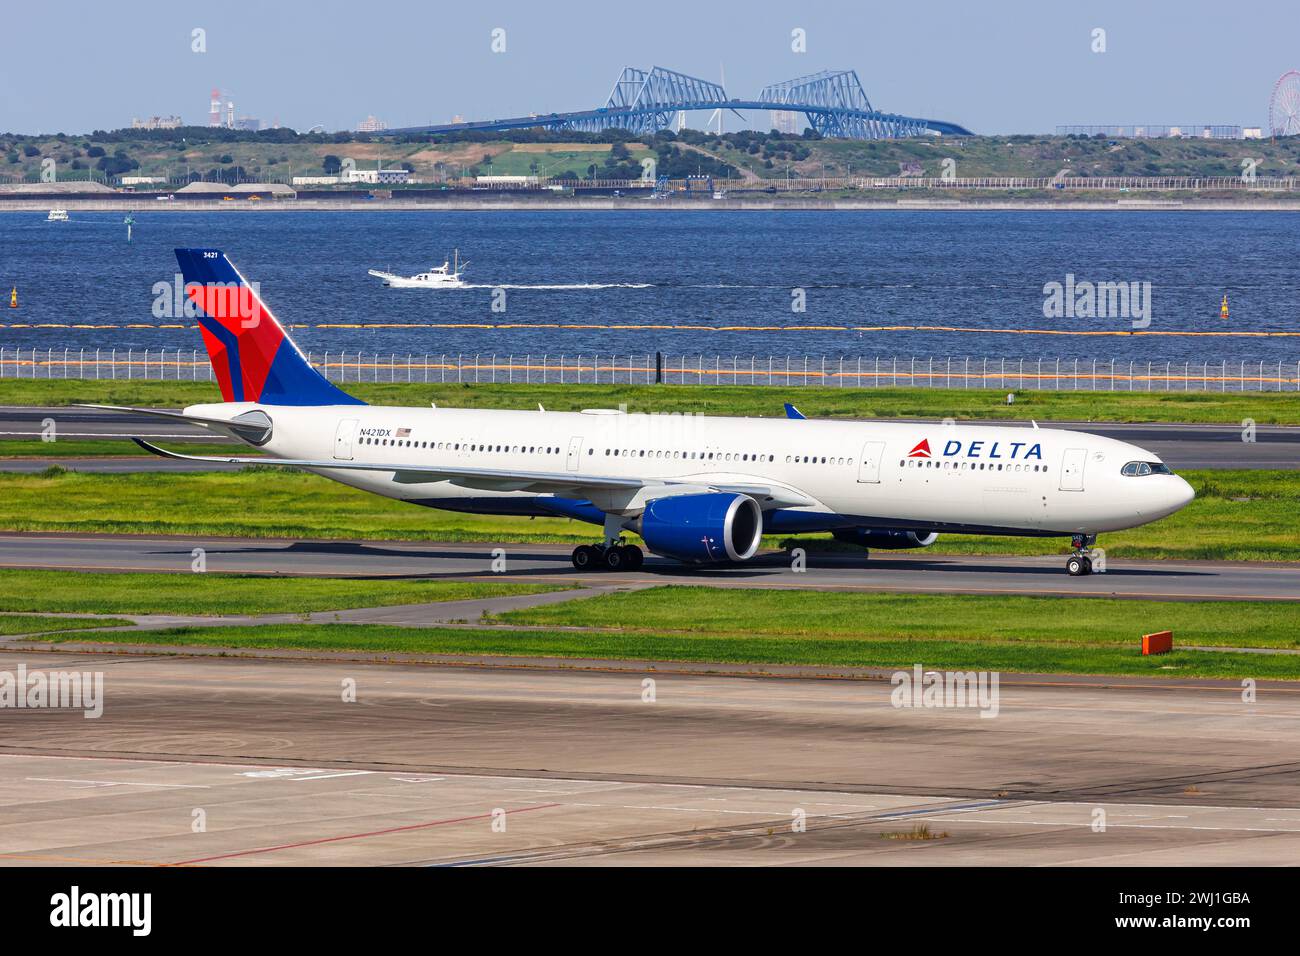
pixel 1079 563
pixel 613 554
pixel 616 557
pixel 610 556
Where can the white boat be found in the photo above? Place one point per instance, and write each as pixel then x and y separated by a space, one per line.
pixel 445 276
pixel 57 215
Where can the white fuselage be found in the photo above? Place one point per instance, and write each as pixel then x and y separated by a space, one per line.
pixel 975 478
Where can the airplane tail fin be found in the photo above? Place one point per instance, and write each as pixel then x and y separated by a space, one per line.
pixel 252 356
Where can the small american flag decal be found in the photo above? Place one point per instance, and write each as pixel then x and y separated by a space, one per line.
pixel 403 433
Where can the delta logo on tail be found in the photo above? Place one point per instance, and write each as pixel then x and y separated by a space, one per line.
pixel 252 357
pixel 922 449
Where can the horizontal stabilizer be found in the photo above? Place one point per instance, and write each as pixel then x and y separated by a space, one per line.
pixel 252 426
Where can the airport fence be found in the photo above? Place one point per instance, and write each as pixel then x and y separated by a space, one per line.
pixel 958 372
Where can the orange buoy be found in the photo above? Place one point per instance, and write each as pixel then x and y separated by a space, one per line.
pixel 13 298
pixel 1223 309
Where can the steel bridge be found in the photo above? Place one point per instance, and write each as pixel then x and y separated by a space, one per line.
pixel 646 101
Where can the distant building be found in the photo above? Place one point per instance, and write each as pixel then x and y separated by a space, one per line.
pixel 785 121
pixel 250 123
pixel 378 177
pixel 371 124
pixel 1206 131
pixel 157 122
pixel 142 180
pixel 316 180
pixel 1252 132
pixel 506 180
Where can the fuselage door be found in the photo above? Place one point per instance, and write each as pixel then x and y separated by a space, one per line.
pixel 1072 469
pixel 575 453
pixel 343 438
pixel 869 466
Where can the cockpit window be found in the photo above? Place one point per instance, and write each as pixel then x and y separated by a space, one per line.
pixel 1139 468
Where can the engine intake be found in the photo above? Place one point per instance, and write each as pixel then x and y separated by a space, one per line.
pixel 885 539
pixel 703 528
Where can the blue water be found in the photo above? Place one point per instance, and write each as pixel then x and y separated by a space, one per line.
pixel 975 270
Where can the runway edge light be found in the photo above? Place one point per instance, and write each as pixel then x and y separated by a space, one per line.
pixel 1161 642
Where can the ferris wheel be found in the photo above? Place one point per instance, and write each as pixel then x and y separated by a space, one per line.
pixel 1284 105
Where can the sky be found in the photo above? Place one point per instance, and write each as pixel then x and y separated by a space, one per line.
pixel 995 67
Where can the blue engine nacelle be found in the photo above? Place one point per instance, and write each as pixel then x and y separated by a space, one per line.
pixel 885 539
pixel 703 528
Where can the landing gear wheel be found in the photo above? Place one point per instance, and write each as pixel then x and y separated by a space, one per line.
pixel 615 559
pixel 1077 566
pixel 1087 565
pixel 584 557
pixel 634 557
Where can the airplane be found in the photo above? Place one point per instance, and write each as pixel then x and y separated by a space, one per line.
pixel 702 490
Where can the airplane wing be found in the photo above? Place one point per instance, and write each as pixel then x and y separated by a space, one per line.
pixel 490 479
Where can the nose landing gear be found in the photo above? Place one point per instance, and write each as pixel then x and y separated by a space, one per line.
pixel 1079 563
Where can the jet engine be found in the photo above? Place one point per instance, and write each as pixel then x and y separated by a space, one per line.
pixel 703 528
pixel 886 539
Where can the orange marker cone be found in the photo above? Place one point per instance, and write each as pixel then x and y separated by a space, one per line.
pixel 1223 309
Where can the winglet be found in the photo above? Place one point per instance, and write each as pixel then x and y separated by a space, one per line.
pixel 792 412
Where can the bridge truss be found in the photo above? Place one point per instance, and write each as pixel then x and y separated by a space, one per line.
pixel 646 101
pixel 837 107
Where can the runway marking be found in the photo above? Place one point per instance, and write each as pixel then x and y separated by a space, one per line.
pixel 781 585
pixel 150 653
pixel 1110 814
pixel 122 783
pixel 113 436
pixel 359 836
pixel 929 811
pixel 45 858
pixel 331 776
pixel 611 806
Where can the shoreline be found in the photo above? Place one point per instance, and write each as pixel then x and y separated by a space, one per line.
pixel 643 205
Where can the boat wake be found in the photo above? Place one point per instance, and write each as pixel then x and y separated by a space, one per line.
pixel 562 286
